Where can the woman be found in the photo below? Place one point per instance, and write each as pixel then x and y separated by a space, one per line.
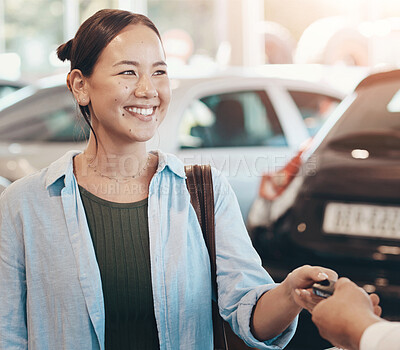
pixel 102 249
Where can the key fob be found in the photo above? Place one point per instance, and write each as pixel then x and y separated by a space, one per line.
pixel 323 288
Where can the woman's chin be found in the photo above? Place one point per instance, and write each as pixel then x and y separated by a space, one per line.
pixel 141 136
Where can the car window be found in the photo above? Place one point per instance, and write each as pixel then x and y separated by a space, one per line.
pixel 44 118
pixel 375 109
pixel 394 104
pixel 237 119
pixel 6 89
pixel 314 108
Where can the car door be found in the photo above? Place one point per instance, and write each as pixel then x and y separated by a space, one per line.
pixel 37 131
pixel 232 125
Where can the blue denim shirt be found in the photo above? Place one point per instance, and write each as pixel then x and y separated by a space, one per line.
pixel 50 285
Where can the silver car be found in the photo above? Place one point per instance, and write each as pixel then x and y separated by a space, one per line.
pixel 242 123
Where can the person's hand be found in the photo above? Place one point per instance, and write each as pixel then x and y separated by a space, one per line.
pixel 343 317
pixel 300 280
pixel 375 304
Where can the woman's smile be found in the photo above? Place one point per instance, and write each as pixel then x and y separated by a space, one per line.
pixel 142 113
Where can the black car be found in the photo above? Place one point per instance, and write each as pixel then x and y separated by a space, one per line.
pixel 337 203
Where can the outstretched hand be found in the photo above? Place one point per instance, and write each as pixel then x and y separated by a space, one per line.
pixel 343 317
pixel 300 281
pixel 277 308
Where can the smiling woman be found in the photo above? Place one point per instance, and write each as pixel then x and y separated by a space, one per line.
pixel 125 97
pixel 123 91
pixel 103 249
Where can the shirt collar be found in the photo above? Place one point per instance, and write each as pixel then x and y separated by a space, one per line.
pixel 61 167
pixel 171 161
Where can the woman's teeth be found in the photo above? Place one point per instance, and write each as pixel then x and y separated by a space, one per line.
pixel 142 111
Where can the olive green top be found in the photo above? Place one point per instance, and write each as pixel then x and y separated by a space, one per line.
pixel 121 241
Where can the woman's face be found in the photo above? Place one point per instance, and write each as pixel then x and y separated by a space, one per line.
pixel 129 89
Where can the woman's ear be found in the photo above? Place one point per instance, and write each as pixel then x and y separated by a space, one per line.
pixel 78 84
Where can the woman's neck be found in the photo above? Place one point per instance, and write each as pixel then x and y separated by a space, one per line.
pixel 117 161
pixel 122 177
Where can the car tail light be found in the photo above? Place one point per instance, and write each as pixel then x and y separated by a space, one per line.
pixel 273 184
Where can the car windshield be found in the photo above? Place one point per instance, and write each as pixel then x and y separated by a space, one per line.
pixel 376 109
pixel 7 89
pixel 49 115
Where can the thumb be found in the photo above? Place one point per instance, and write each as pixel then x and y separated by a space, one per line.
pixel 320 276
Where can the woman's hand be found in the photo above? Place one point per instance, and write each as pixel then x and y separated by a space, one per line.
pixel 277 308
pixel 300 281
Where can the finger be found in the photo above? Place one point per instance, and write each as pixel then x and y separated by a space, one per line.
pixel 302 293
pixel 377 310
pixel 315 299
pixel 313 273
pixel 374 299
pixel 321 273
pixel 321 276
pixel 307 299
pixel 305 276
pixel 333 276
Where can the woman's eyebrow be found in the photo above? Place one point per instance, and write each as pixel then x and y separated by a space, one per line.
pixel 159 63
pixel 135 63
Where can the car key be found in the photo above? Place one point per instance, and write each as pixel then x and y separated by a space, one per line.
pixel 324 288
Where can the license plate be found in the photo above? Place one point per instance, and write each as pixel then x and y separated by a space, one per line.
pixel 362 220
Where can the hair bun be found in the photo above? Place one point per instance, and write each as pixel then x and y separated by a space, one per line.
pixel 64 51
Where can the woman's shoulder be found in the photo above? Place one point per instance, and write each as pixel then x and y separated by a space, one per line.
pixel 220 182
pixel 28 184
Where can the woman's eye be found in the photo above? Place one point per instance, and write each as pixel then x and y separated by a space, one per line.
pixel 128 72
pixel 160 72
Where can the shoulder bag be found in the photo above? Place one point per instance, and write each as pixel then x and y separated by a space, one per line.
pixel 200 186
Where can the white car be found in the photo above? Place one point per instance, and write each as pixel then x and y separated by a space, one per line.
pixel 243 123
pixel 9 86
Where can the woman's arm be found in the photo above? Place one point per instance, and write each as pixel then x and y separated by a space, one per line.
pixel 277 308
pixel 244 283
pixel 13 329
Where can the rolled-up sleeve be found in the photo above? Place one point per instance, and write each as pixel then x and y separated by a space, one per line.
pixel 240 276
pixel 13 329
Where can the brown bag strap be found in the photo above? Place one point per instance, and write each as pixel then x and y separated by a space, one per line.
pixel 200 186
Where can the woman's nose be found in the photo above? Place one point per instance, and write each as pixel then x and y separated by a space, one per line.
pixel 145 88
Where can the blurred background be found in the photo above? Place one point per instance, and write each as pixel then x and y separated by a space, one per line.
pixel 204 34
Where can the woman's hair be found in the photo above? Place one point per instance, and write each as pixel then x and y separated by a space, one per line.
pixel 92 37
